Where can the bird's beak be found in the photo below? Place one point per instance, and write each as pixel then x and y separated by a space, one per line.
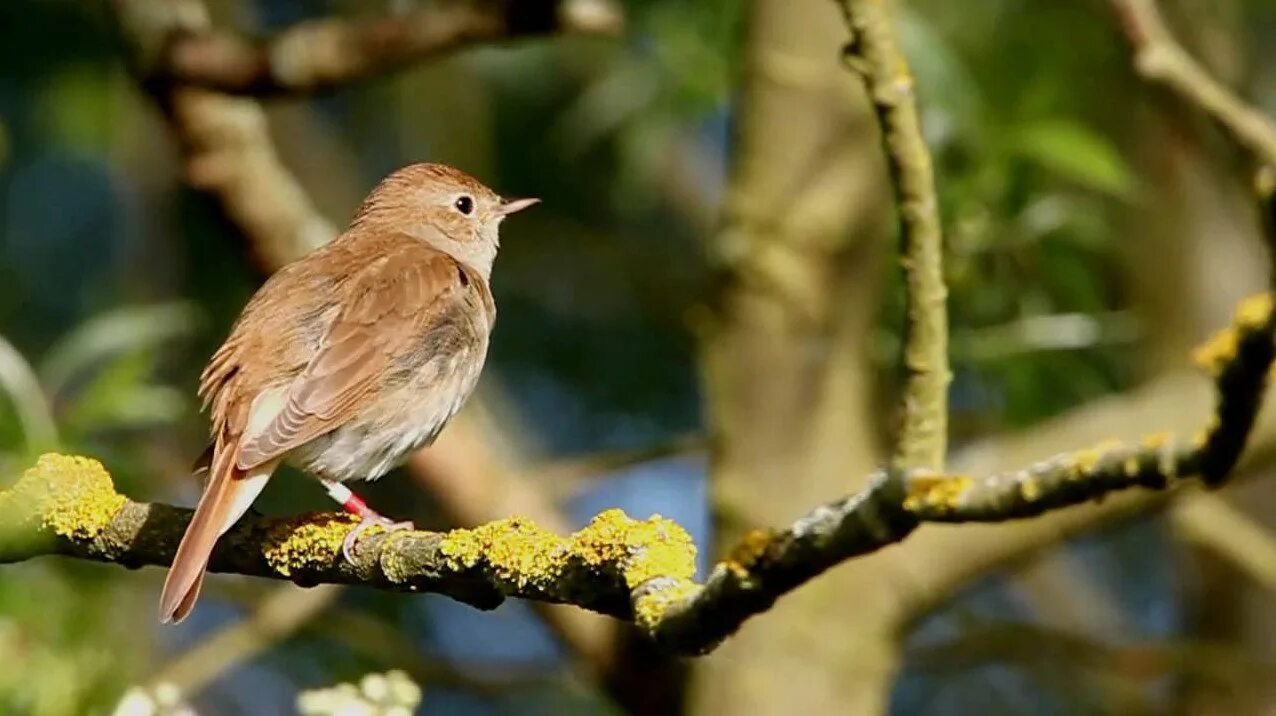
pixel 511 206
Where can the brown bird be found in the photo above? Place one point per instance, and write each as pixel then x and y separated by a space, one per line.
pixel 350 358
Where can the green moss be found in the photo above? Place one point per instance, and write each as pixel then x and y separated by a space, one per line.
pixel 70 496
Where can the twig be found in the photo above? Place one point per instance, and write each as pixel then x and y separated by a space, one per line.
pixel 1159 58
pixel 226 145
pixel 640 570
pixel 387 645
pixel 1210 521
pixel 564 477
pixel 874 54
pixel 998 642
pixel 330 52
pixel 280 614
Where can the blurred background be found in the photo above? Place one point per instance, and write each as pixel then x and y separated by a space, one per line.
pixel 712 265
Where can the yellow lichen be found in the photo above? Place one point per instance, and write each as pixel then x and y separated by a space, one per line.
pixel 1216 351
pixel 1130 467
pixel 1029 489
pixel 518 551
pixel 1220 349
pixel 752 545
pixel 651 607
pixel 1085 461
pixel 1254 311
pixel 942 491
pixel 1156 441
pixel 1202 436
pixel 306 541
pixel 68 495
pixel 654 547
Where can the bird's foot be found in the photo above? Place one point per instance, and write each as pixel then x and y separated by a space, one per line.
pixel 368 520
pixel 368 517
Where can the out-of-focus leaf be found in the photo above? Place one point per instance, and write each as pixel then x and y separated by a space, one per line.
pixel 74 104
pixel 121 396
pixel 1074 152
pixel 137 407
pixel 23 388
pixel 954 103
pixel 607 103
pixel 1046 332
pixel 125 329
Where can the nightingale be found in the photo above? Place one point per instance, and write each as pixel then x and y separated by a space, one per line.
pixel 349 358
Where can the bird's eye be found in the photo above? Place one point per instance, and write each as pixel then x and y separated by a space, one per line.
pixel 464 204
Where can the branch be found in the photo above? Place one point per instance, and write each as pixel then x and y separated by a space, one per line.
pixel 1159 58
pixel 639 570
pixel 225 142
pixel 276 617
pixel 874 54
pixel 940 562
pixel 330 52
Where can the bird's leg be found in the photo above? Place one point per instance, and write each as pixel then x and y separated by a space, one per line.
pixel 368 517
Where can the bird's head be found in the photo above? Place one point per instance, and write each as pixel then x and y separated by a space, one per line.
pixel 444 207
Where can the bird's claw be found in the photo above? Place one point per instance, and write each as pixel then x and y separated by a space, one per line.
pixel 349 545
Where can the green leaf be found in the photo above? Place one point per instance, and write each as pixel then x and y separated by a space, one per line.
pixel 1075 152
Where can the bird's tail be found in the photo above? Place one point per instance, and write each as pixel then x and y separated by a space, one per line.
pixel 227 496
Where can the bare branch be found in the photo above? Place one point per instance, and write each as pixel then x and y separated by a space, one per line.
pixel 1159 58
pixel 330 52
pixel 874 54
pixel 226 144
pixel 639 570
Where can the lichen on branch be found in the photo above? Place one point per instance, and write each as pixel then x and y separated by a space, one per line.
pixel 640 570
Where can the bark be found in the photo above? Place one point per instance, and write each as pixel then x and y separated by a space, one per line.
pixel 786 383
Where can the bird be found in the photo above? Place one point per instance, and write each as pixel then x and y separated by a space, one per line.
pixel 350 358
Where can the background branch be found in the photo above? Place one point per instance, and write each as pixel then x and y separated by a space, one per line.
pixel 329 52
pixel 1160 59
pixel 874 54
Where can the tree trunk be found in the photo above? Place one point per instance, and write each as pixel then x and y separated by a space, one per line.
pixel 783 351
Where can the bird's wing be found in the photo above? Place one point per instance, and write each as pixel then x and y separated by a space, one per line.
pixel 389 305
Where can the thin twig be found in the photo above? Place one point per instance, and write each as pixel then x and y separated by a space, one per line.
pixel 1159 58
pixel 1212 522
pixel 275 618
pixel 565 477
pixel 329 52
pixel 874 54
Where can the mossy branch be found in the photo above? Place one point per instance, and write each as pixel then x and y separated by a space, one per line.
pixel 331 52
pixel 874 54
pixel 639 570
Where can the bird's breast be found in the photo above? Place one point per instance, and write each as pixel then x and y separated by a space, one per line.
pixel 414 404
